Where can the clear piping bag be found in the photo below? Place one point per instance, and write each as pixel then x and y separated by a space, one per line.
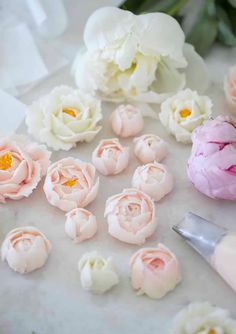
pixel 215 244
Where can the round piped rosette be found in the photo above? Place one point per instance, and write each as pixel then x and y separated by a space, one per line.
pixel 131 216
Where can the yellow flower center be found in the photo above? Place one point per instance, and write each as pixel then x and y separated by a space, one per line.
pixel 69 111
pixel 185 112
pixel 70 182
pixel 133 66
pixel 211 331
pixel 5 161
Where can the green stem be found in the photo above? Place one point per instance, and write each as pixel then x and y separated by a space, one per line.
pixel 173 10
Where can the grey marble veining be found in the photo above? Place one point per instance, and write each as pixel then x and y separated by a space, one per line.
pixel 51 300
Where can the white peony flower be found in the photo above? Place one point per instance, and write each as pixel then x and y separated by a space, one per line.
pixel 142 58
pixel 97 274
pixel 203 318
pixel 64 117
pixel 183 112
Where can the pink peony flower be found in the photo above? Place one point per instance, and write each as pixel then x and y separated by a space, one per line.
pixel 154 271
pixel 149 148
pixel 153 179
pixel 25 249
pixel 126 121
pixel 212 164
pixel 71 183
pixel 22 165
pixel 230 87
pixel 80 224
pixel 131 216
pixel 110 157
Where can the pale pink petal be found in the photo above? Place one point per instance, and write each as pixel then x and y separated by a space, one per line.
pixel 213 159
pixel 126 121
pixel 79 193
pixel 110 157
pixel 154 271
pixel 124 221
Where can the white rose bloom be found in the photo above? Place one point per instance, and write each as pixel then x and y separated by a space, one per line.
pixel 141 58
pixel 64 117
pixel 97 274
pixel 183 112
pixel 203 318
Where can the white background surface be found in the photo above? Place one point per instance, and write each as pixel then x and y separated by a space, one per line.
pixel 51 300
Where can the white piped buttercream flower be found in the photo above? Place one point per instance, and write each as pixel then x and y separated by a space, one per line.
pixel 97 274
pixel 25 249
pixel 80 224
pixel 126 121
pixel 137 57
pixel 203 318
pixel 184 112
pixel 110 157
pixel 150 147
pixel 64 117
pixel 153 179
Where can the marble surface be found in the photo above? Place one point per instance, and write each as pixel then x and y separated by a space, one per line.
pixel 51 300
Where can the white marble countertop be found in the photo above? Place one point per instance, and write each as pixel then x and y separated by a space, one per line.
pixel 51 300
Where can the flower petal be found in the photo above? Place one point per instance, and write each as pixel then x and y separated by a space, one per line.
pixel 142 76
pixel 88 70
pixel 196 72
pixel 169 79
pixel 106 25
pixel 161 34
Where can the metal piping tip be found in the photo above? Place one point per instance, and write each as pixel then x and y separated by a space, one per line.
pixel 200 234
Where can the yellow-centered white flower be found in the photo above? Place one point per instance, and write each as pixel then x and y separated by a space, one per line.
pixel 203 318
pixel 64 117
pixel 142 58
pixel 97 274
pixel 184 112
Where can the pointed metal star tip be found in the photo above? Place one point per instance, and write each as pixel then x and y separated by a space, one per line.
pixel 200 234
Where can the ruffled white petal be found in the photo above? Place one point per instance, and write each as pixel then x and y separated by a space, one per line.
pixel 136 58
pixel 49 119
pixel 89 71
pixel 106 25
pixel 161 34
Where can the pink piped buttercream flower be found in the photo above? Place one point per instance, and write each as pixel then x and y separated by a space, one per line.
pixel 80 224
pixel 22 165
pixel 25 249
pixel 71 183
pixel 154 271
pixel 153 179
pixel 110 157
pixel 126 121
pixel 130 216
pixel 149 148
pixel 230 88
